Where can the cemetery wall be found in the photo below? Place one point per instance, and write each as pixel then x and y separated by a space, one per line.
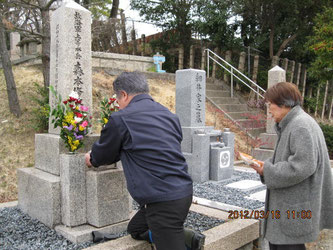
pixel 122 61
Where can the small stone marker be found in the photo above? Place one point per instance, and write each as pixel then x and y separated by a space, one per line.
pixel 70 64
pixel 191 97
pixel 275 75
pixel 245 185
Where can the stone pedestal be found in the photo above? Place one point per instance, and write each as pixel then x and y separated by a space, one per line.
pixel 107 198
pixel 73 189
pixel 39 195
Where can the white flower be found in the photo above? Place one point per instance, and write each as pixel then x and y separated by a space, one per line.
pixel 73 94
pixel 77 119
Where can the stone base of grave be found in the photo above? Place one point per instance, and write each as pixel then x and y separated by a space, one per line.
pixel 233 234
pixel 83 233
pixel 39 195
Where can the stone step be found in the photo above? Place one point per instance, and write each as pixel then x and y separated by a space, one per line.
pixel 242 114
pixel 210 86
pixel 217 93
pixel 255 132
pixel 225 100
pixel 262 154
pixel 251 123
pixel 233 107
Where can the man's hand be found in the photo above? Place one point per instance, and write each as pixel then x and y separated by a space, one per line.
pixel 260 170
pixel 87 158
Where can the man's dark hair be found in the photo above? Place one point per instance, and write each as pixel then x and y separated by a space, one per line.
pixel 284 94
pixel 132 83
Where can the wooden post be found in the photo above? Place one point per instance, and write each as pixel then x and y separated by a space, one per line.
pixel 285 64
pixel 123 31
pixel 292 71
pixel 275 61
pixel 299 66
pixel 310 96
pixel 203 58
pixel 330 113
pixel 214 63
pixel 241 66
pixel 324 103
pixel 304 85
pixel 228 59
pixel 255 68
pixel 181 58
pixel 317 101
pixel 133 41
pixel 143 45
pixel 192 56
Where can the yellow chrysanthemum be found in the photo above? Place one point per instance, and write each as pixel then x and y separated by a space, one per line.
pixel 105 120
pixel 81 128
pixel 76 143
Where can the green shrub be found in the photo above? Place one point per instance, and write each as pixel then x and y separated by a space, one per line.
pixel 328 133
pixel 40 114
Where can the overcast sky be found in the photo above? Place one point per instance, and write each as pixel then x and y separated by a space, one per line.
pixel 142 28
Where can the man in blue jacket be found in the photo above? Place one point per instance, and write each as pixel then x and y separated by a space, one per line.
pixel 146 137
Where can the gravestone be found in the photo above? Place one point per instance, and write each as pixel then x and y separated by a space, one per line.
pixel 70 65
pixel 65 194
pixel 269 139
pixel 202 145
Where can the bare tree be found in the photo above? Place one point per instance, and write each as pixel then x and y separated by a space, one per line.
pixel 37 23
pixel 14 105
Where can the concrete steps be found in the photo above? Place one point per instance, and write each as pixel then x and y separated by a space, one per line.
pixel 217 93
pixel 235 107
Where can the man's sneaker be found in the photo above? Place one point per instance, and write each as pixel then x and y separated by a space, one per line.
pixel 198 241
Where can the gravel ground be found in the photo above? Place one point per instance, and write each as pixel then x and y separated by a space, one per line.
pixel 20 231
pixel 217 191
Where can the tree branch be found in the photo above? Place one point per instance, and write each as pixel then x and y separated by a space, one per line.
pixel 285 43
pixel 31 32
pixel 48 5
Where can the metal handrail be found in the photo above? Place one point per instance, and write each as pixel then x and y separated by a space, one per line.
pixel 231 71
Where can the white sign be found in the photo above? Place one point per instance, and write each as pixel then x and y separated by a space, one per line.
pixel 225 159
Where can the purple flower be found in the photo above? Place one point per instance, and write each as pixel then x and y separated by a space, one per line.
pixel 78 137
pixel 69 127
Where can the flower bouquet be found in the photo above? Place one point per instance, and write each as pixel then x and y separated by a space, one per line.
pixel 108 106
pixel 72 118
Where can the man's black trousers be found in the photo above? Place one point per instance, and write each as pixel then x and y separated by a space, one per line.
pixel 166 222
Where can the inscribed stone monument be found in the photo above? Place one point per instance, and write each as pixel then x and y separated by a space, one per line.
pixel 70 67
pixel 199 144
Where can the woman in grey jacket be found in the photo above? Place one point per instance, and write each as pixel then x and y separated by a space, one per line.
pixel 299 199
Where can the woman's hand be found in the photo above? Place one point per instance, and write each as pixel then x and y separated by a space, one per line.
pixel 259 169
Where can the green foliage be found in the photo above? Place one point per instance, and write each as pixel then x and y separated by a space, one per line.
pixel 40 114
pixel 328 134
pixel 321 43
pixel 108 106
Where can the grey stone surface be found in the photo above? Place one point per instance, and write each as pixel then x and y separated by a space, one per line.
pixel 39 195
pixel 190 97
pixel 221 163
pixel 107 197
pixel 262 154
pixel 245 185
pixel 15 51
pixel 83 233
pixel 275 75
pixel 73 189
pixel 198 160
pixel 70 58
pixel 48 148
